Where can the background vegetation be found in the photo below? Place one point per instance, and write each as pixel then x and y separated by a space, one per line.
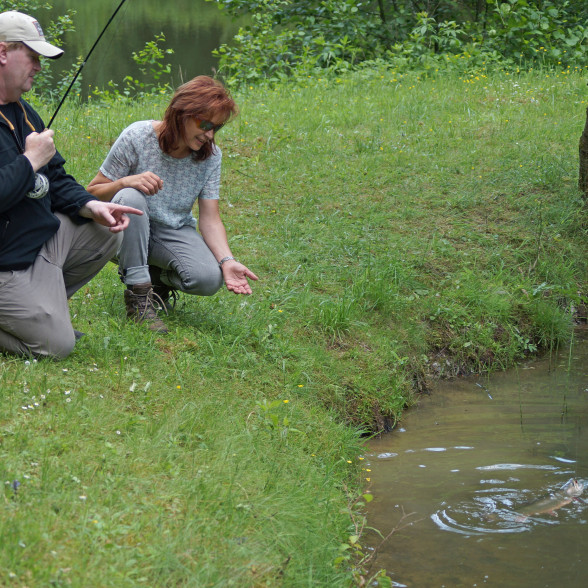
pixel 406 225
pixel 286 37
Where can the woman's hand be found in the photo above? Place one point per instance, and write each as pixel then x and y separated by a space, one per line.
pixel 147 182
pixel 104 188
pixel 235 275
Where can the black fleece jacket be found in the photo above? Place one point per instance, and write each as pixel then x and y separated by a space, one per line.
pixel 25 223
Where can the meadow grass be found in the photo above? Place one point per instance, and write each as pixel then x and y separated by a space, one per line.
pixel 403 227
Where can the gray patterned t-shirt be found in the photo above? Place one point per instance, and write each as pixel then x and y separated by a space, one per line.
pixel 184 180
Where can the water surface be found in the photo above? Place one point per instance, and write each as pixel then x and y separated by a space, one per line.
pixel 192 28
pixel 463 463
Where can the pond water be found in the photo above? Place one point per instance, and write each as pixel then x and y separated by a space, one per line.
pixel 454 478
pixel 192 28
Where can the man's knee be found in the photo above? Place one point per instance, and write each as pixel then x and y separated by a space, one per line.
pixel 58 348
pixel 54 346
pixel 54 336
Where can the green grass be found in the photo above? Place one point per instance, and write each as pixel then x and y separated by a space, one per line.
pixel 402 227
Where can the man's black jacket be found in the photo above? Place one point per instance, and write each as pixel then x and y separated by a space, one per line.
pixel 25 223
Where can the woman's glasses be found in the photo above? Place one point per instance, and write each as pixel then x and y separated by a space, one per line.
pixel 206 125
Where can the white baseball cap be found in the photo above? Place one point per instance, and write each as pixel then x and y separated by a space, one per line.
pixel 16 26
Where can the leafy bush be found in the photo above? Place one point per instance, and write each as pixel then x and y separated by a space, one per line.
pixel 549 32
pixel 286 36
pixel 290 38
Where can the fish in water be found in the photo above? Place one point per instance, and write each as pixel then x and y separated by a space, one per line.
pixel 566 494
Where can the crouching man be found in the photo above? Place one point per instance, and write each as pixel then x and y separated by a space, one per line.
pixel 54 236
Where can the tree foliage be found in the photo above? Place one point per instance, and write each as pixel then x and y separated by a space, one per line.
pixel 287 36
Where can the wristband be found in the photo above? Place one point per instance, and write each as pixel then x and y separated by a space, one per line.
pixel 228 258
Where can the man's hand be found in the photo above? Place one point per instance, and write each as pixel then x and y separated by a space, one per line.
pixel 39 148
pixel 235 275
pixel 108 214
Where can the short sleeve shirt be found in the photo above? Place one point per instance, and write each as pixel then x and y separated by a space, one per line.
pixel 137 150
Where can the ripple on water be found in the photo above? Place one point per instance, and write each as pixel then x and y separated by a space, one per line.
pixel 495 510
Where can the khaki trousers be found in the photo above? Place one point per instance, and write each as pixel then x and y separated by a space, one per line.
pixel 34 313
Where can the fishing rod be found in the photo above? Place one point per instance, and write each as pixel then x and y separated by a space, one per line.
pixel 84 62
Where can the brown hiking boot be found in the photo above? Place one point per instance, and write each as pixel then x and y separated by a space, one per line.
pixel 143 305
pixel 168 295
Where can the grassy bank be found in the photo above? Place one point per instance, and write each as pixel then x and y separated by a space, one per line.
pixel 404 228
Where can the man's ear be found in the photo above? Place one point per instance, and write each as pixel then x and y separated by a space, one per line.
pixel 3 53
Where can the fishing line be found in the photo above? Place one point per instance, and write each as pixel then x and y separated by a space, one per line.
pixel 84 62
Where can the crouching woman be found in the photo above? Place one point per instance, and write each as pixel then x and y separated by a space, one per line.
pixel 162 168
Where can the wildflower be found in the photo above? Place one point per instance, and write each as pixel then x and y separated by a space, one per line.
pixel 286 401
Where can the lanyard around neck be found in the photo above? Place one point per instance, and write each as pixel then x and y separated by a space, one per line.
pixel 13 130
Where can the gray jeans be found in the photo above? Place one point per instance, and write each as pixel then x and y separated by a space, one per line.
pixel 186 262
pixel 34 313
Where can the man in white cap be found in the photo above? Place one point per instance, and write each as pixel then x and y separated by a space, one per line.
pixel 49 248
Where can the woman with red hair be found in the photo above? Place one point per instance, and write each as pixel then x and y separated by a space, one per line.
pixel 162 168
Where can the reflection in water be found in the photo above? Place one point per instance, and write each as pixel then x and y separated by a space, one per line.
pixel 484 466
pixel 192 29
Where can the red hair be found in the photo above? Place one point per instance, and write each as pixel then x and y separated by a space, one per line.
pixel 203 98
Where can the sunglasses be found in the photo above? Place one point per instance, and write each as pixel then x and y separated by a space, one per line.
pixel 206 125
